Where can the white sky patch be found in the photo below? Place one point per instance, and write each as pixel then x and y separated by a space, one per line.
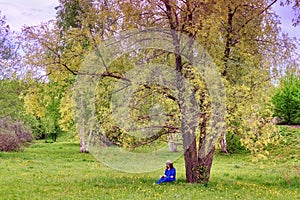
pixel 27 12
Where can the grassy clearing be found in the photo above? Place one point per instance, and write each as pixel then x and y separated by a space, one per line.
pixel 59 171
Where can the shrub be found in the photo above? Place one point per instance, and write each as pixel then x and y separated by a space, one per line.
pixel 21 132
pixel 9 142
pixel 287 99
pixel 234 142
pixel 13 135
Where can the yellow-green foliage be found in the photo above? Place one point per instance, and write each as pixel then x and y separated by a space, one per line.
pixel 251 37
pixel 67 112
pixel 34 102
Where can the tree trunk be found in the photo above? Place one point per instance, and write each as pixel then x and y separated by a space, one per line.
pixel 189 122
pixel 205 163
pixel 196 170
pixel 188 128
pixel 223 143
pixel 191 163
pixel 172 146
pixel 205 166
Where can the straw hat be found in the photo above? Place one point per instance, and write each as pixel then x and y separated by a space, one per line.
pixel 169 162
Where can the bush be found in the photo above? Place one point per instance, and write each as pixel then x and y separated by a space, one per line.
pixel 9 142
pixel 287 100
pixel 234 143
pixel 13 135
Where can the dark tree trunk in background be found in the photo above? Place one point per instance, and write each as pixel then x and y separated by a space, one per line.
pixel 229 44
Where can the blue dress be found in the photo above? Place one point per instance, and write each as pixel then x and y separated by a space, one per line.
pixel 168 174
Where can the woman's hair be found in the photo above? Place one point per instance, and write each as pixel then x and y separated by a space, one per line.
pixel 171 165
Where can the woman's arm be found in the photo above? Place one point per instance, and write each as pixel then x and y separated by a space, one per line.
pixel 165 174
pixel 173 173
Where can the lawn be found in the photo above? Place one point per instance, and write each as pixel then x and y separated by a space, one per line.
pixel 59 171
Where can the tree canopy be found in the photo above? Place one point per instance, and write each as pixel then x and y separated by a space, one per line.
pixel 242 42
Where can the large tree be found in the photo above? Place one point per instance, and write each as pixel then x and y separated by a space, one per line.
pixel 252 44
pixel 242 38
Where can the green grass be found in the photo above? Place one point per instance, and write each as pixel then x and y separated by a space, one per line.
pixel 59 171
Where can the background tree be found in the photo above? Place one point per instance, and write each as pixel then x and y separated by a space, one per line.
pixel 42 102
pixel 287 99
pixel 11 87
pixel 13 129
pixel 11 104
pixel 9 45
pixel 74 30
pixel 243 38
pixel 246 55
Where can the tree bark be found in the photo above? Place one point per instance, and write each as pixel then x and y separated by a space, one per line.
pixel 191 163
pixel 205 163
pixel 205 166
pixel 223 144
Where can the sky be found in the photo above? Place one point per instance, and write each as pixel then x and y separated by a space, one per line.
pixel 286 15
pixel 33 12
pixel 29 12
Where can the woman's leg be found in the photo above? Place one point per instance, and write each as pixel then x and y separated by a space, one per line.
pixel 161 180
pixel 168 179
pixel 165 180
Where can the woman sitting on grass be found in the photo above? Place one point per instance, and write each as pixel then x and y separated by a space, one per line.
pixel 170 174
